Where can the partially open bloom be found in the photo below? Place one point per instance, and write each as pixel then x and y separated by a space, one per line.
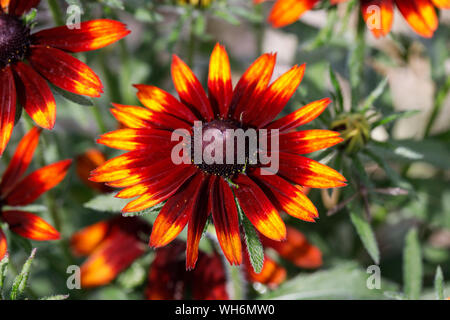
pixel 18 191
pixel 378 14
pixel 296 249
pixel 28 61
pixel 195 190
pixel 112 246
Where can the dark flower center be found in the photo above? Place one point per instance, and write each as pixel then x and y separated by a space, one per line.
pixel 217 134
pixel 14 40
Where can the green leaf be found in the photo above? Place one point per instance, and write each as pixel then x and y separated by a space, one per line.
pixel 439 284
pixel 394 116
pixel 254 246
pixel 337 89
pixel 72 97
pixel 151 212
pixel 412 266
pixel 20 282
pixel 374 95
pixel 345 281
pixel 366 234
pixel 3 270
pixel 106 203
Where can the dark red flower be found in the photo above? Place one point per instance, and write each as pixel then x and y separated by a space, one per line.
pixel 18 191
pixel 194 191
pixel 169 280
pixel 111 245
pixel 28 61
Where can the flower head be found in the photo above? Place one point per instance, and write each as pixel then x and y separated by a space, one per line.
pixel 194 190
pixel 378 14
pixel 112 246
pixel 28 60
pixel 18 191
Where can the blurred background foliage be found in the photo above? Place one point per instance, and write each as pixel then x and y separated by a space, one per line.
pixel 391 103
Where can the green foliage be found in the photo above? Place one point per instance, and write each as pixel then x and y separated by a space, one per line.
pixel 254 247
pixel 345 281
pixel 412 266
pixel 366 234
pixel 439 284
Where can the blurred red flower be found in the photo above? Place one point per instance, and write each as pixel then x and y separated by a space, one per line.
pixel 48 60
pixel 18 191
pixel 420 14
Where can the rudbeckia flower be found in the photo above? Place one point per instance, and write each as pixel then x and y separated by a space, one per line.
pixel 194 191
pixel 296 249
pixel 17 191
pixel 169 280
pixel 112 246
pixel 378 14
pixel 28 61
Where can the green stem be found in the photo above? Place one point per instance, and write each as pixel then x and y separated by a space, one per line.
pixel 192 41
pixel 96 111
pixel 259 30
pixel 56 12
pixel 438 104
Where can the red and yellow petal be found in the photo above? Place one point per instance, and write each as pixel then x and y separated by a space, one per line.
pixel 258 209
pixel 276 97
pixel 161 190
pixel 3 244
pixel 220 88
pixel 226 220
pixel 20 161
pixel 135 139
pixel 190 89
pixel 309 173
pixel 251 85
pixel 140 159
pixel 285 12
pixel 29 225
pixel 38 182
pixel 300 117
pixel 91 35
pixel 159 100
pixel 289 197
pixel 85 241
pixel 420 14
pixel 176 212
pixel 138 117
pixel 442 4
pixel 196 225
pixel 65 72
pixel 379 16
pixel 307 141
pixel 7 106
pixel 296 249
pixel 36 97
